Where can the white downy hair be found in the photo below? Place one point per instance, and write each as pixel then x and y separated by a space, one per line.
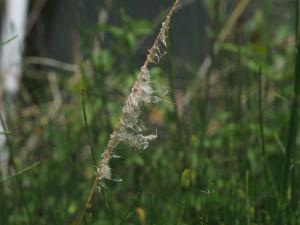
pixel 130 129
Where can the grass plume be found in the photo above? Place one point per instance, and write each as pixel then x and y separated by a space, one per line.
pixel 129 128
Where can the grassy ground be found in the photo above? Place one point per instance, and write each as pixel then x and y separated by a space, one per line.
pixel 230 158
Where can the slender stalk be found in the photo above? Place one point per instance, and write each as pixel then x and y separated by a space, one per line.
pixel 269 179
pixel 4 179
pixel 9 40
pixel 87 128
pixel 179 128
pixel 13 165
pixel 293 124
pixel 292 130
pixel 261 123
pixel 206 65
pixel 182 208
pixel 107 208
pixel 128 209
pixel 232 20
pixel 94 155
pixel 131 107
pixel 294 200
pixel 248 207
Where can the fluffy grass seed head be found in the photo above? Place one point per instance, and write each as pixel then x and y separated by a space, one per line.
pixel 130 128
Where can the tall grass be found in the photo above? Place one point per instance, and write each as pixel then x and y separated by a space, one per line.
pixel 286 181
pixel 129 128
pixel 13 167
pixel 227 136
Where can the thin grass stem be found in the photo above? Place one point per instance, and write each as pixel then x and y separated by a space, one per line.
pixel 131 107
pixel 125 215
pixel 13 165
pixel 292 130
pixel 87 128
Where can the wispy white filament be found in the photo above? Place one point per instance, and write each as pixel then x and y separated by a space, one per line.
pixel 130 128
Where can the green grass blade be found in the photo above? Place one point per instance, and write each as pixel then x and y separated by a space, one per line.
pixel 292 130
pixel 5 132
pixel 125 215
pixel 87 128
pixel 20 172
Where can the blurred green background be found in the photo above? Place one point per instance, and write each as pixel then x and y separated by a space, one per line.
pixel 227 146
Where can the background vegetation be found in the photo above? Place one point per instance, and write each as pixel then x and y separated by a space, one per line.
pixel 229 156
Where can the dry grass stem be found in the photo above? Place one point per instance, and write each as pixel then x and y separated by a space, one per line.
pixel 207 62
pixel 129 128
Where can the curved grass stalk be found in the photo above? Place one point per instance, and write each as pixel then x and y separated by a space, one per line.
pixel 129 128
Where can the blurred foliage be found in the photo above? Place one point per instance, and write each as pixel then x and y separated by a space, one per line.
pixel 206 167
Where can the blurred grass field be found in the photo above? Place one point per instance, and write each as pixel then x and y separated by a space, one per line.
pixel 230 158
